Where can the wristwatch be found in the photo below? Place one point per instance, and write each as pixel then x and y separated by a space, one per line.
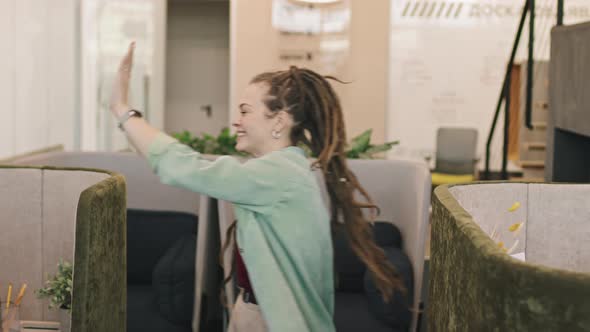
pixel 127 115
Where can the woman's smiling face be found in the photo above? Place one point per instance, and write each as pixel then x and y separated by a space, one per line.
pixel 255 123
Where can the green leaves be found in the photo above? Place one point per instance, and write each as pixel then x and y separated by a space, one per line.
pixel 223 144
pixel 361 142
pixel 360 147
pixel 58 288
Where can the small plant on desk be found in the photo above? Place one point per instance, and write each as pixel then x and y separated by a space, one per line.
pixel 58 288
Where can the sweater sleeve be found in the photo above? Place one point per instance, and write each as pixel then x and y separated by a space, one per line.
pixel 257 182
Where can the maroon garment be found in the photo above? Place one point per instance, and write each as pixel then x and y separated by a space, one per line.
pixel 242 274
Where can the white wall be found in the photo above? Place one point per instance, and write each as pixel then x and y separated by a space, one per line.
pixel 447 66
pixel 38 84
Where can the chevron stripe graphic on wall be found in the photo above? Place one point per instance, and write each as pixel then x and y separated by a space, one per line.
pixel 434 9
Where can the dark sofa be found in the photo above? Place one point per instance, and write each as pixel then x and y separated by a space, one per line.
pixel 150 234
pixel 358 303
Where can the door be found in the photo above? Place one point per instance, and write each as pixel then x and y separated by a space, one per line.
pixel 197 81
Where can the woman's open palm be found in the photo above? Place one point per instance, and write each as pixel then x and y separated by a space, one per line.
pixel 120 93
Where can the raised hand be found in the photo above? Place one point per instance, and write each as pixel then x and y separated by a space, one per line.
pixel 120 92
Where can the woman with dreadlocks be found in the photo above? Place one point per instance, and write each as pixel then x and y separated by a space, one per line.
pixel 283 231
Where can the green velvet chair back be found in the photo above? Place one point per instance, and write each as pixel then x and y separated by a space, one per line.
pixel 48 214
pixel 477 284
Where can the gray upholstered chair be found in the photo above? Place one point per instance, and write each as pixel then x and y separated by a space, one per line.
pixel 478 231
pixel 401 189
pixel 456 157
pixel 48 214
pixel 456 150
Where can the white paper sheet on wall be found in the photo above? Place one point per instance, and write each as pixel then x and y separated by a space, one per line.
pixel 304 18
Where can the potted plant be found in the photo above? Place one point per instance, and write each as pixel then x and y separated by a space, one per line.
pixel 58 289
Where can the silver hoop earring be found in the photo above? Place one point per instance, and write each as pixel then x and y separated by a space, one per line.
pixel 275 134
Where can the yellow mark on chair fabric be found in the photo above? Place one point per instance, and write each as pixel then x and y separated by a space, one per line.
pixel 515 227
pixel 514 207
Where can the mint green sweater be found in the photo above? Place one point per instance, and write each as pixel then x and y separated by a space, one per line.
pixel 283 227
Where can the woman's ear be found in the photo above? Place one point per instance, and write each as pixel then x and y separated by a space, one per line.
pixel 284 120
